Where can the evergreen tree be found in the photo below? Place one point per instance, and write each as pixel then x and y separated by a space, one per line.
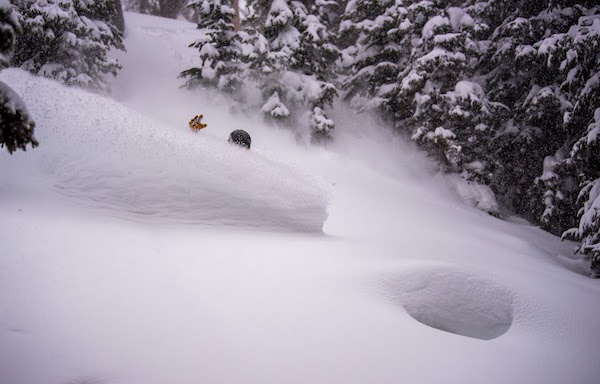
pixel 544 64
pixel 219 46
pixel 416 61
pixel 585 160
pixel 517 76
pixel 438 98
pixel 291 62
pixel 575 55
pixel 538 68
pixel 374 51
pixel 573 58
pixel 268 58
pixel 68 40
pixel 16 126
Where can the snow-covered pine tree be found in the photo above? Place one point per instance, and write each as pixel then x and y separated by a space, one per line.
pixel 575 56
pixel 544 64
pixel 315 60
pixel 585 159
pixel 537 70
pixel 68 40
pixel 415 62
pixel 219 46
pixel 16 126
pixel 374 51
pixel 574 59
pixel 438 97
pixel 291 59
pixel 9 29
pixel 517 78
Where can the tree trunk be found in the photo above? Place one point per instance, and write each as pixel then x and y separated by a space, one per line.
pixel 144 6
pixel 236 19
pixel 119 20
pixel 170 8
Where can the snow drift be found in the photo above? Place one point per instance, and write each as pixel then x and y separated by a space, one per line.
pixel 112 158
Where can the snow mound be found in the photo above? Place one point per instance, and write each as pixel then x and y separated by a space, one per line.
pixel 106 156
pixel 471 193
pixel 454 301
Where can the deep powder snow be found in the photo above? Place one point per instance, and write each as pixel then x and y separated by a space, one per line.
pixel 133 250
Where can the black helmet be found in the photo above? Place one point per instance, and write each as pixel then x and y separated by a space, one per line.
pixel 241 138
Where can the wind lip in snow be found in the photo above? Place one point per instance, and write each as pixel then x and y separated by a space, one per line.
pixel 106 156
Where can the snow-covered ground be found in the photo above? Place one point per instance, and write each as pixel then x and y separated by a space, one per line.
pixel 133 250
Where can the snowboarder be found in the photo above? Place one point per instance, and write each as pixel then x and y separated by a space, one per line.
pixel 241 138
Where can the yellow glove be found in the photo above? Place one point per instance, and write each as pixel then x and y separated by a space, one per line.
pixel 196 123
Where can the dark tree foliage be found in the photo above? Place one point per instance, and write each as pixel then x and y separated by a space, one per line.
pixel 118 19
pixel 171 8
pixel 16 126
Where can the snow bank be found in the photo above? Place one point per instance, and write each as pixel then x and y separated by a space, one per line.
pixel 106 156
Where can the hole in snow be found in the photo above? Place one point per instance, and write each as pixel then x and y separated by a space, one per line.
pixel 454 301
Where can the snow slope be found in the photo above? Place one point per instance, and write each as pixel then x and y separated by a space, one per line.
pixel 135 251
